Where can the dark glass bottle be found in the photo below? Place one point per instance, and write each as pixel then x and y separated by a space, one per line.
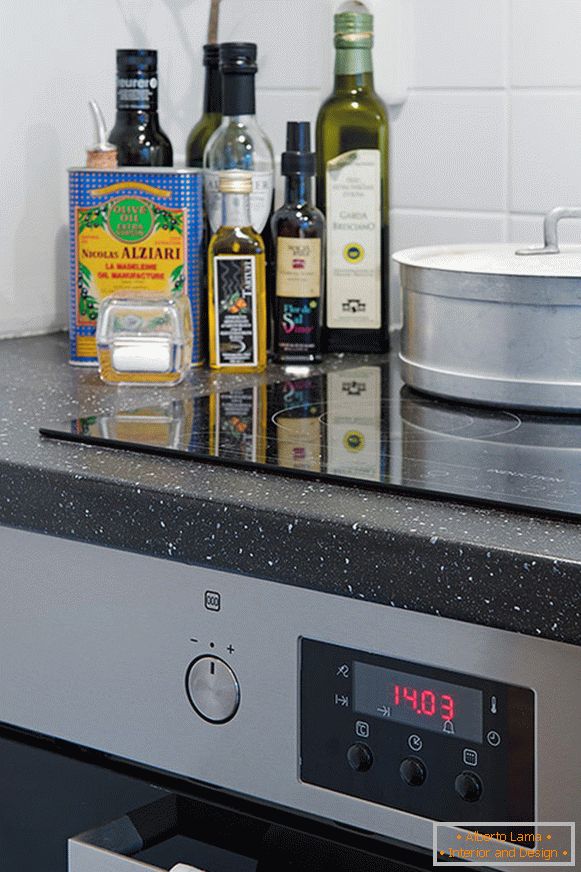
pixel 212 113
pixel 298 231
pixel 352 189
pixel 139 139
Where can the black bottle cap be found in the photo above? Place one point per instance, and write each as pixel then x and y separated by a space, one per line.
pixel 136 60
pixel 238 57
pixel 298 159
pixel 211 54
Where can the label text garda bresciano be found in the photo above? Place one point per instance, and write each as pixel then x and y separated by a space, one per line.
pixel 353 221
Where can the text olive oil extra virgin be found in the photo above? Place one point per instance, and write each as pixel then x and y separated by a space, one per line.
pixel 352 190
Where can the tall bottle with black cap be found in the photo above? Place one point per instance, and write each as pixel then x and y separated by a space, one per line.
pixel 239 143
pixel 137 133
pixel 298 231
pixel 212 109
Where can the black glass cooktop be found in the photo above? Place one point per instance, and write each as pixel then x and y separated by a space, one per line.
pixel 359 426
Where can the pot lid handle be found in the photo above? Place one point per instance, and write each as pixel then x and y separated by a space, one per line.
pixel 552 218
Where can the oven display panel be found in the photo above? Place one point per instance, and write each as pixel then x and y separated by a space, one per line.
pixel 424 703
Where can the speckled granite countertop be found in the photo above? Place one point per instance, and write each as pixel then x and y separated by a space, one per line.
pixel 487 566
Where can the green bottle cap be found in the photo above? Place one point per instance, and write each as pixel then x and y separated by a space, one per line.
pixel 353 29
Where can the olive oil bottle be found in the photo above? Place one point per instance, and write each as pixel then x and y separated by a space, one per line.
pixel 352 190
pixel 237 282
pixel 212 113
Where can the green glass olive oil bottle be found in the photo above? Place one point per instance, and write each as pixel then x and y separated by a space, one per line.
pixel 352 191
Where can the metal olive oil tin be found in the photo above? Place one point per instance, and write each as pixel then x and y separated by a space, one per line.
pixel 133 229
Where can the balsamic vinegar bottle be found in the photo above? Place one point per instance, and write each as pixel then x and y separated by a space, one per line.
pixel 139 139
pixel 298 231
pixel 352 189
pixel 212 112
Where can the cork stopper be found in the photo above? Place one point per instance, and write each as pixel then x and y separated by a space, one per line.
pixel 97 159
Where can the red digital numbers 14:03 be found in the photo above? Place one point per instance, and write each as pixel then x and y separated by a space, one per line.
pixel 425 702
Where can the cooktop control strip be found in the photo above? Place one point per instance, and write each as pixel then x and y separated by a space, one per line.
pixel 423 740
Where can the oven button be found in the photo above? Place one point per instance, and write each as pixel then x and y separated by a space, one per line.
pixel 213 689
pixel 413 771
pixel 359 757
pixel 468 786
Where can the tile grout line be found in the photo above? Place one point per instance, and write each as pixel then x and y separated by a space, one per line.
pixel 508 167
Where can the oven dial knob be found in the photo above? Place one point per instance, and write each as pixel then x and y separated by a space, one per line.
pixel 359 757
pixel 468 786
pixel 213 689
pixel 413 771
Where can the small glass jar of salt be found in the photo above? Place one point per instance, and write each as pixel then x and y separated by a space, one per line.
pixel 144 338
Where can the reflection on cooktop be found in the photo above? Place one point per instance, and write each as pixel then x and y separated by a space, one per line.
pixel 348 425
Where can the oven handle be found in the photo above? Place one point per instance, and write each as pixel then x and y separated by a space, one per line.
pixel 109 848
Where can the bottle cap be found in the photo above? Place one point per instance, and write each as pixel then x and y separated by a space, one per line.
pixel 235 182
pixel 137 59
pixel 354 29
pixel 211 54
pixel 238 57
pixel 298 159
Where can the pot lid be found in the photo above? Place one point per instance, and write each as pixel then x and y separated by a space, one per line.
pixel 550 260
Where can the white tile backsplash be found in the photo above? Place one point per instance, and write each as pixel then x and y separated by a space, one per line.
pixel 449 151
pixel 546 40
pixel 458 43
pixel 486 140
pixel 289 34
pixel 275 108
pixel 410 228
pixel 545 151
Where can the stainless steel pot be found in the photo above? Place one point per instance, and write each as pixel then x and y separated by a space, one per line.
pixel 492 325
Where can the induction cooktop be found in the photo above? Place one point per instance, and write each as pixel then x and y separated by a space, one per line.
pixel 360 427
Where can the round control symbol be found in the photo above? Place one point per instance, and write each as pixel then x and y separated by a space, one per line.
pixel 415 742
pixel 213 689
pixel 493 739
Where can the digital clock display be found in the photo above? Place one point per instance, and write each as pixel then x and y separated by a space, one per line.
pixel 423 703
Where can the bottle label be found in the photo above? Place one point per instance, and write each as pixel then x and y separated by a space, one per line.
pixel 354 423
pixel 237 424
pixel 137 92
pixel 298 267
pixel 353 202
pixel 235 307
pixel 260 199
pixel 299 326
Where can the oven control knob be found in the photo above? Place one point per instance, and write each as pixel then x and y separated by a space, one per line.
pixel 468 786
pixel 213 689
pixel 413 771
pixel 359 757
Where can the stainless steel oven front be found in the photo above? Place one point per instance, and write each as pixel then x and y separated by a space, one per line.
pixel 375 718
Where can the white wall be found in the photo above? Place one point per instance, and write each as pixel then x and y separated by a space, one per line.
pixel 486 140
